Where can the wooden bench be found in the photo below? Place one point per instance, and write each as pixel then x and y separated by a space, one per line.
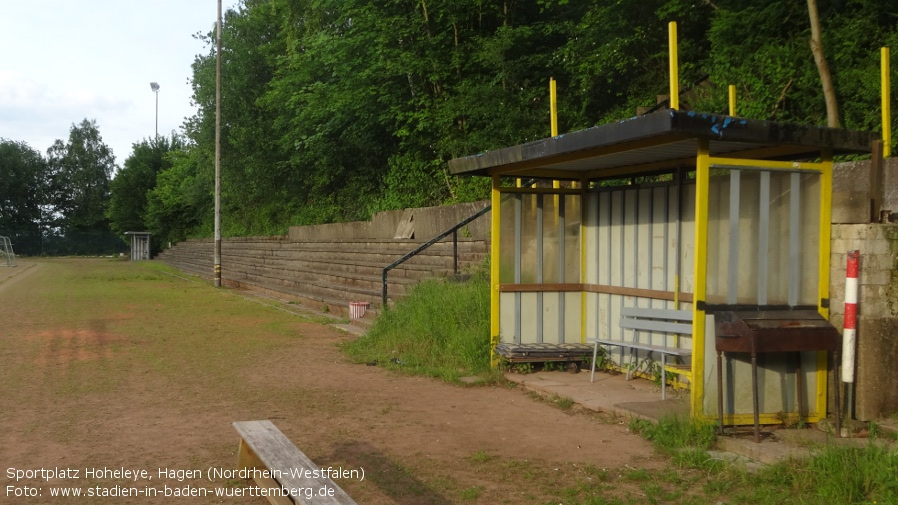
pixel 678 322
pixel 280 464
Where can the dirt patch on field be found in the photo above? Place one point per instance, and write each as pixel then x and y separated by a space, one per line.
pixel 151 376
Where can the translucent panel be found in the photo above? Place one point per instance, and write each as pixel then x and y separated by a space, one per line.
pixel 530 246
pixel 531 250
pixel 763 237
pixel 508 222
pixel 571 238
pixel 550 238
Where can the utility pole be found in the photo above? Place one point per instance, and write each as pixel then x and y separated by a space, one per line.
pixel 155 87
pixel 217 260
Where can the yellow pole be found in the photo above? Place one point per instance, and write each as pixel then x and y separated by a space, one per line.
pixel 496 197
pixel 824 246
pixel 553 125
pixel 732 93
pixel 885 65
pixel 674 66
pixel 553 106
pixel 702 175
pixel 584 184
pixel 823 270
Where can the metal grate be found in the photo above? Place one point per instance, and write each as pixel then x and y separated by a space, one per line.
pixel 520 353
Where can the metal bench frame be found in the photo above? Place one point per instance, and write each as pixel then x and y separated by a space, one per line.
pixel 678 322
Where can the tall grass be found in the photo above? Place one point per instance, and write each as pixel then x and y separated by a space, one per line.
pixel 441 329
pixel 835 474
pixel 854 474
pixel 686 440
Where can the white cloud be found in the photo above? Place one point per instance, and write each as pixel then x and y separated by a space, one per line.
pixel 67 60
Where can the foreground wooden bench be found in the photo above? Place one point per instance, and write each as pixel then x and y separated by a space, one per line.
pixel 678 322
pixel 264 447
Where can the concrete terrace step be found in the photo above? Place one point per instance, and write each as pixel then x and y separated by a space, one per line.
pixel 314 302
pixel 373 258
pixel 361 264
pixel 318 291
pixel 324 272
pixel 298 275
pixel 398 246
pixel 369 257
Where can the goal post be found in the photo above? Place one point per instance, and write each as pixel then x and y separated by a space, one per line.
pixel 7 256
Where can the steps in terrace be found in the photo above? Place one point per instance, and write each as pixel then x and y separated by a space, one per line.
pixel 324 274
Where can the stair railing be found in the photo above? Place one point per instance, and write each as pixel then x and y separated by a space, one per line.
pixel 451 231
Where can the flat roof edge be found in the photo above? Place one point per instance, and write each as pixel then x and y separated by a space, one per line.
pixel 658 128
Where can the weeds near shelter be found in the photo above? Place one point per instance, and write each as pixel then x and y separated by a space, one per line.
pixel 834 475
pixel 440 329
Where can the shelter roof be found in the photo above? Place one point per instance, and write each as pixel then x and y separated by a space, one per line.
pixel 661 141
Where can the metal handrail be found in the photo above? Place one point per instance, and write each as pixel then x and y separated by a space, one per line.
pixel 441 236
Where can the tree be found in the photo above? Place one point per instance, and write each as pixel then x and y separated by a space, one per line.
pixel 829 94
pixel 22 182
pixel 79 173
pixel 128 190
pixel 180 204
pixel 335 109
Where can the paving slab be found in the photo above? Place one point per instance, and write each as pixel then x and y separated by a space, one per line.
pixel 640 398
pixel 612 394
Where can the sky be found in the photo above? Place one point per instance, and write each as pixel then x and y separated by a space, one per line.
pixel 63 61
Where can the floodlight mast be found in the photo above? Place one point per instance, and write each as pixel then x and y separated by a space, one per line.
pixel 216 279
pixel 155 87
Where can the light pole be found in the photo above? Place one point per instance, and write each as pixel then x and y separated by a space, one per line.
pixel 216 257
pixel 155 87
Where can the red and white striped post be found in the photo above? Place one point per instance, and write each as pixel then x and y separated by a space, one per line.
pixel 849 336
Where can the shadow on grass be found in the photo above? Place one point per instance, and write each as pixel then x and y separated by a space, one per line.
pixel 392 478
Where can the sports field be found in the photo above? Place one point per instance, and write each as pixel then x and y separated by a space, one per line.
pixel 122 378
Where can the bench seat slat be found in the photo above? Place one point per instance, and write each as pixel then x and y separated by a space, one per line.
pixel 677 351
pixel 279 454
pixel 660 326
pixel 647 313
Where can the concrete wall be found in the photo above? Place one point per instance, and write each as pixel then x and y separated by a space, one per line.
pixel 427 222
pixel 860 193
pixel 877 326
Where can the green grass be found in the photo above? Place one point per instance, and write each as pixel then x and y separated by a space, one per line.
pixel 441 329
pixel 835 475
pixel 686 441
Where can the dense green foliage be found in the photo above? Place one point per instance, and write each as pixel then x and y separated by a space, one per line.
pixel 437 330
pixel 22 172
pixel 58 204
pixel 132 190
pixel 335 109
pixel 78 179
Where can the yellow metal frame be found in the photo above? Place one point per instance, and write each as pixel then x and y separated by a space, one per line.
pixel 545 191
pixel 584 189
pixel 495 215
pixel 731 92
pixel 674 66
pixel 788 166
pixel 700 287
pixel 823 265
pixel 553 107
pixel 703 164
pixel 885 73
